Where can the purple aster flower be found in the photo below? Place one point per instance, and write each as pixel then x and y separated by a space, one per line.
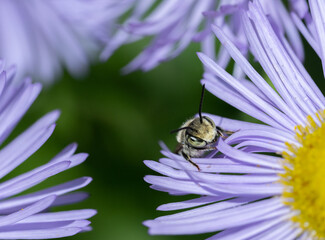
pixel 26 215
pixel 175 24
pixel 266 181
pixel 42 36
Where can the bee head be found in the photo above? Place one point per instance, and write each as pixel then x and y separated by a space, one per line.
pixel 198 131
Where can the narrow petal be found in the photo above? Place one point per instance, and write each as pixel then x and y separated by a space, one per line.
pixel 40 234
pixel 245 157
pixel 190 203
pixel 60 216
pixel 220 168
pixel 24 184
pixel 209 178
pixel 209 209
pixel 21 201
pixel 28 211
pixel 74 161
pixel 317 8
pixel 176 185
pixel 65 153
pixel 70 198
pixel 248 231
pixel 222 74
pixel 251 72
pixel 9 152
pixel 213 222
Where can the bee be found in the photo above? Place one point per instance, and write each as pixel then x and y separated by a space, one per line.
pixel 197 136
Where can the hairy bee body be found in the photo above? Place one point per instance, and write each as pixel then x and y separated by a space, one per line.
pixel 196 137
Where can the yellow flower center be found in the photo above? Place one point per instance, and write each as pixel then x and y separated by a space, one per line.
pixel 304 177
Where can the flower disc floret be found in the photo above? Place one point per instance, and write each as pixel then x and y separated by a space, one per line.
pixel 304 176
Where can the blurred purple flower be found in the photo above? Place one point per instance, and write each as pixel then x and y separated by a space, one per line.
pixel 41 37
pixel 266 180
pixel 26 216
pixel 174 24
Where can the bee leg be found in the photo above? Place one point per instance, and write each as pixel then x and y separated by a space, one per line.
pixel 222 132
pixel 229 132
pixel 209 149
pixel 187 157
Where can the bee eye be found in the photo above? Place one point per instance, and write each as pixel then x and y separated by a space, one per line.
pixel 196 142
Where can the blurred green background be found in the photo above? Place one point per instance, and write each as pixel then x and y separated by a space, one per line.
pixel 119 119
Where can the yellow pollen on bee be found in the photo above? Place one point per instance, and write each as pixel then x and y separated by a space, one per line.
pixel 304 177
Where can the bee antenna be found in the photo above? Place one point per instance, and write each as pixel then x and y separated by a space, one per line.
pixel 201 101
pixel 182 128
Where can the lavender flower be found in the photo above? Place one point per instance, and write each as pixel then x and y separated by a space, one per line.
pixel 41 36
pixel 267 180
pixel 26 216
pixel 175 24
